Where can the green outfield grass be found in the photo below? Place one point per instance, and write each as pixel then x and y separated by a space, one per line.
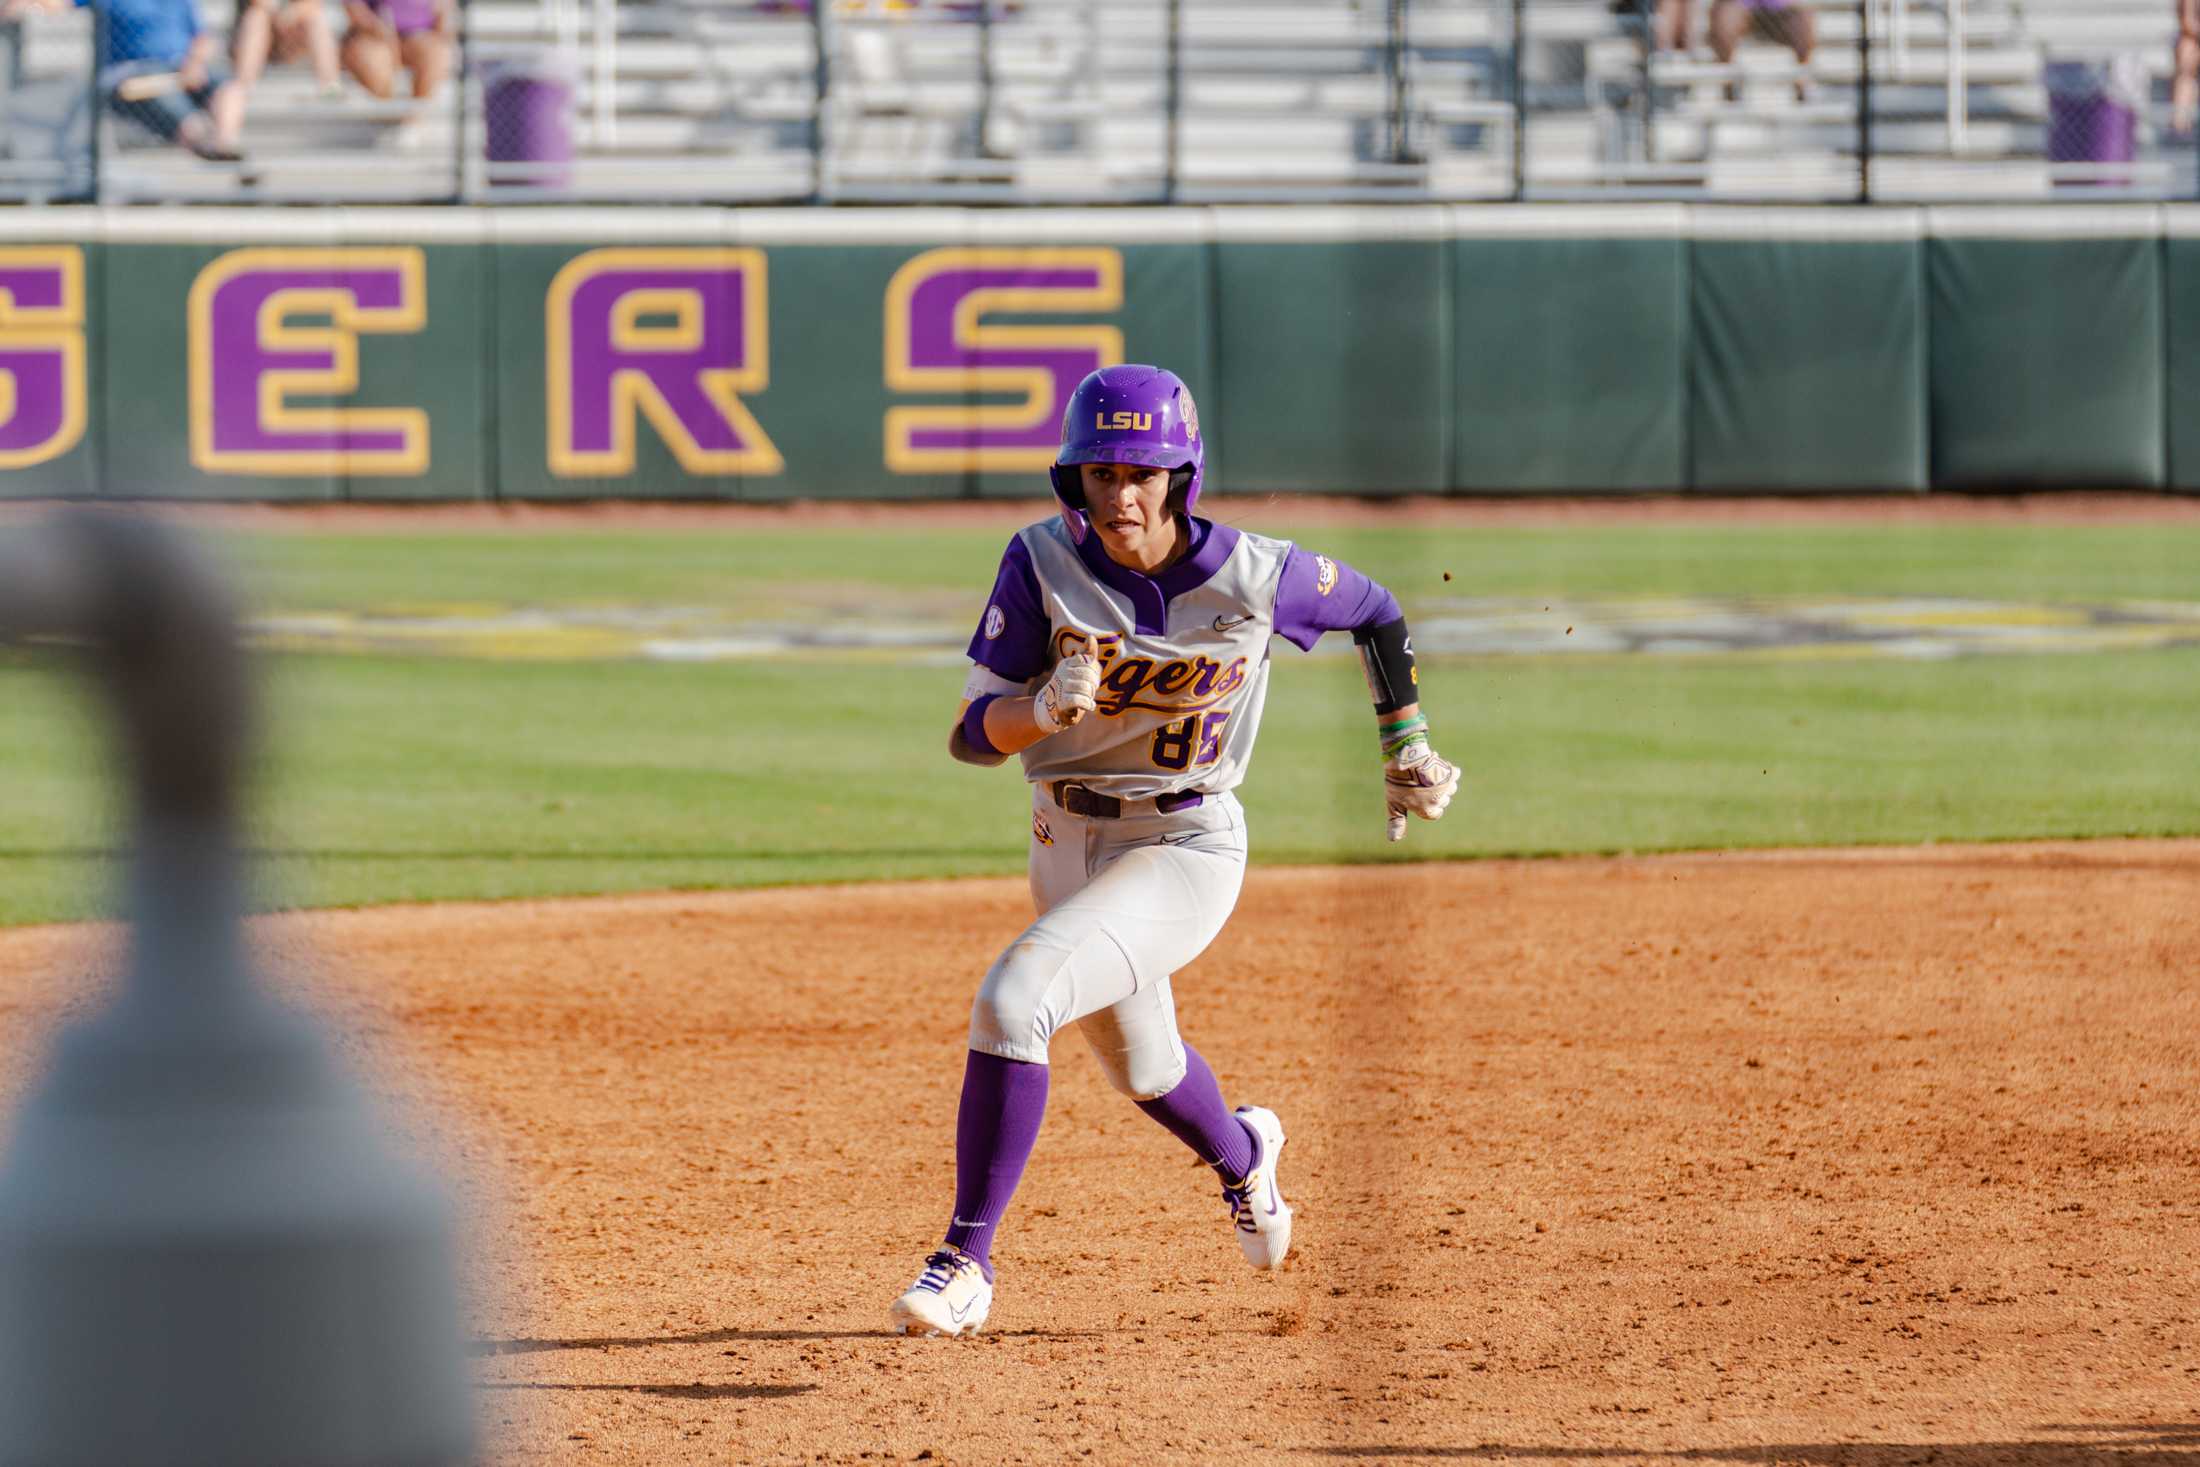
pixel 710 568
pixel 398 779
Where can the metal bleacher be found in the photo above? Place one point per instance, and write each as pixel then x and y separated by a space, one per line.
pixel 1105 100
pixel 45 120
pixel 1273 100
pixel 1959 108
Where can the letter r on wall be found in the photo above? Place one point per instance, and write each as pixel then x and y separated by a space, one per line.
pixel 672 335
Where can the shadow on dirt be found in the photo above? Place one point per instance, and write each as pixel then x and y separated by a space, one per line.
pixel 696 1392
pixel 2132 1446
pixel 481 1348
pixel 643 1342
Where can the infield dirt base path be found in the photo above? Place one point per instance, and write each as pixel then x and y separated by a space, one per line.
pixel 1819 1158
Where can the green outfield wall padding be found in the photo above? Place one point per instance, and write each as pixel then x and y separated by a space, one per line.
pixel 1335 365
pixel 1807 368
pixel 51 354
pixel 828 400
pixel 2047 365
pixel 262 355
pixel 1568 364
pixel 2181 325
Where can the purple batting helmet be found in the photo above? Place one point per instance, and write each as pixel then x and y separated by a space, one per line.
pixel 1130 414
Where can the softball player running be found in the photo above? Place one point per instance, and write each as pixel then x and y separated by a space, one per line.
pixel 1124 656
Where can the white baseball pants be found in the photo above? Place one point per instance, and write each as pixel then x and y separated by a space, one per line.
pixel 1123 904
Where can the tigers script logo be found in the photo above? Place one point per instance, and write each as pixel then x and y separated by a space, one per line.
pixel 1189 684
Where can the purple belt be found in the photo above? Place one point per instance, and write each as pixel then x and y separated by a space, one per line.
pixel 1078 800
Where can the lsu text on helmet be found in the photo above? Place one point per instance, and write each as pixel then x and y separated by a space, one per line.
pixel 1131 414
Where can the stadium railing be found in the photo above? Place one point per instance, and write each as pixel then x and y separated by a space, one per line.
pixel 1125 101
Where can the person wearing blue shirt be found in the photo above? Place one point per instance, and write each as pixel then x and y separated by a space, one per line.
pixel 157 68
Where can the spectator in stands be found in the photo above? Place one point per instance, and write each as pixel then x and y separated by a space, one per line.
pixel 1786 23
pixel 1782 22
pixel 1669 28
pixel 157 68
pixel 387 34
pixel 2184 92
pixel 283 31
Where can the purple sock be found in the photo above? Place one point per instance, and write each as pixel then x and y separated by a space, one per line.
pixel 1194 1112
pixel 1003 1101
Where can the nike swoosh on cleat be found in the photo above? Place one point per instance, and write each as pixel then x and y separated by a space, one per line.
pixel 957 1314
pixel 1230 623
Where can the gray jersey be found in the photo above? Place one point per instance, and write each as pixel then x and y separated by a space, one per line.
pixel 1179 702
pixel 1184 655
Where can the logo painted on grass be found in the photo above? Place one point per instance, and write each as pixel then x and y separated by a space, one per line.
pixel 1822 628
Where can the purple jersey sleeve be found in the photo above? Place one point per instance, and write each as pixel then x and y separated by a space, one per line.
pixel 1319 594
pixel 1012 635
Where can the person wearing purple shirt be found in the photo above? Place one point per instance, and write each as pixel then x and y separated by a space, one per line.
pixel 1123 656
pixel 388 34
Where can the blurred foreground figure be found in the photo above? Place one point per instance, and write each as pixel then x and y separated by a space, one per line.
pixel 207 1253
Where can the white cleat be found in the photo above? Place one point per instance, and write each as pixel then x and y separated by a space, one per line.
pixel 951 1297
pixel 1257 1208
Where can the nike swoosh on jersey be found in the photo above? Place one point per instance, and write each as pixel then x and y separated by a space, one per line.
pixel 1230 623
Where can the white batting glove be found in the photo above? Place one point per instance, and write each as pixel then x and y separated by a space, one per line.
pixel 1068 695
pixel 1417 781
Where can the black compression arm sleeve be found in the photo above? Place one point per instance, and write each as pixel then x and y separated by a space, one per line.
pixel 1386 656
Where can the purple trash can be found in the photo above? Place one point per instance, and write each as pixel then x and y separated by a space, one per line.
pixel 527 111
pixel 2093 115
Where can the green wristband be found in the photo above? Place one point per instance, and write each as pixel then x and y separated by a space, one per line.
pixel 1403 734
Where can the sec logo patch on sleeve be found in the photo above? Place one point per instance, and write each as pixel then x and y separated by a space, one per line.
pixel 995 623
pixel 1325 574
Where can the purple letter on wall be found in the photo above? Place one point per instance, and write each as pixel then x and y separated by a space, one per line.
pixel 938 341
pixel 41 353
pixel 250 356
pixel 674 335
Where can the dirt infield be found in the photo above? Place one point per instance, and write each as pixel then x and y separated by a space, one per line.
pixel 1817 1157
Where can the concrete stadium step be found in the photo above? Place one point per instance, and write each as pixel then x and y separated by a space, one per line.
pixel 1284 135
pixel 1751 137
pixel 56 45
pixel 2102 27
pixel 2012 64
